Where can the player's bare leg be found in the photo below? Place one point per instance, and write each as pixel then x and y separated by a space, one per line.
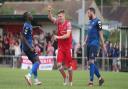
pixel 70 75
pixel 61 69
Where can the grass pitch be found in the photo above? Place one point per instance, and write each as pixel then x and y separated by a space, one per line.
pixel 14 79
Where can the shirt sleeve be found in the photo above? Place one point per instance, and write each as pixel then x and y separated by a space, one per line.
pixel 99 25
pixel 25 29
pixel 69 26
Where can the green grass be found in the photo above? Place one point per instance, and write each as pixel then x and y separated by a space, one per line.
pixel 14 79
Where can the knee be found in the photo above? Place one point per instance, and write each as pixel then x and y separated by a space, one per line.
pixel 34 61
pixel 59 66
pixel 70 68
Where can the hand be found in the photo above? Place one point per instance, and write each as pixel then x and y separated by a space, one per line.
pixel 55 37
pixel 32 49
pixel 49 8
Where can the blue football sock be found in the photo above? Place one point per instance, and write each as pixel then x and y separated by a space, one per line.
pixel 35 75
pixel 92 69
pixel 97 72
pixel 34 69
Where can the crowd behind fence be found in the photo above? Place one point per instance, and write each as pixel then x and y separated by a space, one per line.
pixel 45 45
pixel 104 63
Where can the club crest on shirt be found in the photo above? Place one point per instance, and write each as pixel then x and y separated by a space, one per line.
pixel 93 23
pixel 89 27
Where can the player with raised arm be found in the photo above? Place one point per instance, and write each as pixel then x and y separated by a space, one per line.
pixel 64 37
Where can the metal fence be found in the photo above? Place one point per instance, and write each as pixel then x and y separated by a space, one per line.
pixel 9 61
pixel 104 63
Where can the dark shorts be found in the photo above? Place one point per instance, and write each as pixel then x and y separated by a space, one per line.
pixel 31 55
pixel 92 52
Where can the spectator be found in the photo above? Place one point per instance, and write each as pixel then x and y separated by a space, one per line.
pixel 50 49
pixel 116 62
pixel 11 44
pixel 78 51
pixel 42 41
pixel 37 49
pixel 1 40
pixel 17 53
pixel 54 42
pixel 48 37
pixel 41 38
pixel 73 47
pixel 110 54
pixel 100 53
pixel 35 41
pixel 17 49
pixel 6 45
pixel 110 50
pixel 1 48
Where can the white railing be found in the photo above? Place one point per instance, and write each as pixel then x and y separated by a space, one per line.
pixel 104 63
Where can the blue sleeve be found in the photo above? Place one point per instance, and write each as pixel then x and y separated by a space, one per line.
pixel 26 29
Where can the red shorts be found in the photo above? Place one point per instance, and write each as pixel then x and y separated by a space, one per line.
pixel 64 56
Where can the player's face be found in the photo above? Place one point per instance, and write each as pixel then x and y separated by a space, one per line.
pixel 90 14
pixel 61 17
pixel 30 17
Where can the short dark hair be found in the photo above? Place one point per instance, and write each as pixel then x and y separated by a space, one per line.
pixel 26 15
pixel 92 9
pixel 61 11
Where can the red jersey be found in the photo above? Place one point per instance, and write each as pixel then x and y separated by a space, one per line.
pixel 62 29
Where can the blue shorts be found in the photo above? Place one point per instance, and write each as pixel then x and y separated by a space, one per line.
pixel 31 55
pixel 92 52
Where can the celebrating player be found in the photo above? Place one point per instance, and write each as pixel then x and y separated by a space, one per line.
pixel 26 38
pixel 64 37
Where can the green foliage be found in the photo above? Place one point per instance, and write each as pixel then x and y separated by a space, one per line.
pixel 114 36
pixel 33 11
pixel 54 11
pixel 105 2
pixel 29 0
pixel 109 2
pixel 6 10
